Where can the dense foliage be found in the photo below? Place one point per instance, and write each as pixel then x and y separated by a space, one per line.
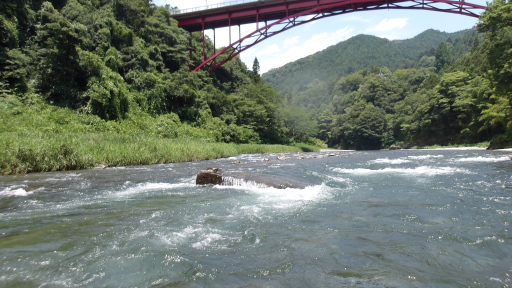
pixel 456 92
pixel 75 73
pixel 84 82
pixel 125 60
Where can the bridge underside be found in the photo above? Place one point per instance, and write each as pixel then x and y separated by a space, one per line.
pixel 286 14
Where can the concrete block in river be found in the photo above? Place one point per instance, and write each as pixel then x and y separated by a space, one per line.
pixel 215 176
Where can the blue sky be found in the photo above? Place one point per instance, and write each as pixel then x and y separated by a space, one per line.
pixel 309 38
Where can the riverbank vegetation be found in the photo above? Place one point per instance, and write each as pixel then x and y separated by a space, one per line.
pixel 41 137
pixel 88 82
pixel 457 92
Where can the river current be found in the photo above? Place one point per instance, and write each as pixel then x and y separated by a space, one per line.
pixel 409 218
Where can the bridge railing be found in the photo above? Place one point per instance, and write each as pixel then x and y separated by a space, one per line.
pixel 175 11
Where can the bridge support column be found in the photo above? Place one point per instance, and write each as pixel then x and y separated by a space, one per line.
pixel 229 27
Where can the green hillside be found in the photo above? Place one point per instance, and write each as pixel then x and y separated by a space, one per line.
pixel 356 53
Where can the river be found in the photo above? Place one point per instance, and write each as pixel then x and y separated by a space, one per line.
pixel 409 218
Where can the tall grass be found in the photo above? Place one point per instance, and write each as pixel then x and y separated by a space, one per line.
pixel 37 137
pixel 25 152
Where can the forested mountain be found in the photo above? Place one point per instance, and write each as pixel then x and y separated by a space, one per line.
pixel 356 53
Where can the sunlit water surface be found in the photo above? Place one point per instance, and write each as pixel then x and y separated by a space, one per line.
pixel 368 219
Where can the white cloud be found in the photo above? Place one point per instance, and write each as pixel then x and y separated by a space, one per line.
pixel 249 28
pixel 354 18
pixel 307 17
pixel 272 49
pixel 291 41
pixel 343 34
pixel 388 25
pixel 249 54
pixel 221 36
pixel 391 35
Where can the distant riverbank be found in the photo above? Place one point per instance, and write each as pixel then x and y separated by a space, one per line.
pixel 22 153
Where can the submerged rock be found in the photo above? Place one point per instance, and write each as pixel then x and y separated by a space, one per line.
pixel 215 176
pixel 209 176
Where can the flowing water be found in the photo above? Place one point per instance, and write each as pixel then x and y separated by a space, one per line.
pixel 368 219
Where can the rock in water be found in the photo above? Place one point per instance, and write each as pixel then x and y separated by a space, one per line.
pixel 209 176
pixel 215 176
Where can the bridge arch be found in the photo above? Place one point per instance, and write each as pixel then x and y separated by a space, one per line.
pixel 287 14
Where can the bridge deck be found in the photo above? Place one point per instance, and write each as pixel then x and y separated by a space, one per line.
pixel 258 11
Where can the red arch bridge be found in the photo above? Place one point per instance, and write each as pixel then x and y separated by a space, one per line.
pixel 281 15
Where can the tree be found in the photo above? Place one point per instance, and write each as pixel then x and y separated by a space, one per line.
pixel 380 91
pixel 256 66
pixel 443 56
pixel 59 75
pixel 133 12
pixel 300 123
pixel 496 16
pixel 106 94
pixel 16 20
pixel 497 21
pixel 162 31
pixel 362 127
pixel 457 102
pixel 325 121
pixel 314 94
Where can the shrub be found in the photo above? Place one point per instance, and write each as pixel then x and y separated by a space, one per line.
pixel 168 125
